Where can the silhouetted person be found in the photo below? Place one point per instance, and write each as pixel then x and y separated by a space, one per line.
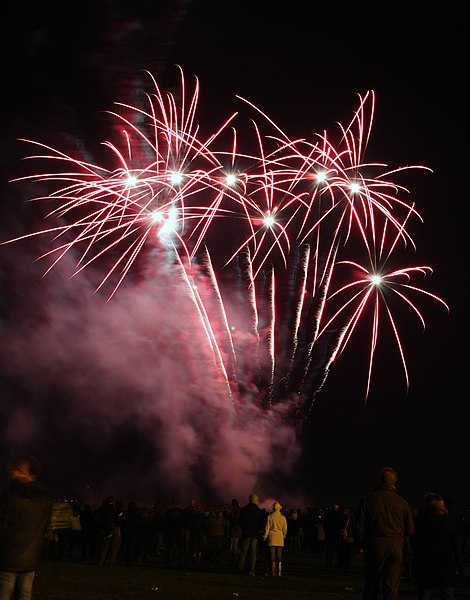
pixel 197 526
pixel 88 533
pixel 104 518
pixel 235 531
pixel 346 537
pixel 383 520
pixel 130 531
pixel 294 530
pixel 25 512
pixel 331 527
pixel 458 525
pixel 251 523
pixel 174 533
pixel 435 545
pixel 217 528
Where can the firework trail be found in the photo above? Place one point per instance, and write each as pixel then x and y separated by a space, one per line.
pixel 207 203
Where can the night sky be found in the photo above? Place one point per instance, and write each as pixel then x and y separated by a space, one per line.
pixel 65 392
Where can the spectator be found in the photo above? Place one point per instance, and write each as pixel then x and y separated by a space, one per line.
pixel 275 533
pixel 25 511
pixel 217 529
pixel 346 537
pixel 197 525
pixel 157 529
pixel 130 534
pixel 331 527
pixel 293 540
pixel 458 526
pixel 435 546
pixel 88 534
pixel 251 523
pixel 104 517
pixel 174 533
pixel 235 530
pixel 384 518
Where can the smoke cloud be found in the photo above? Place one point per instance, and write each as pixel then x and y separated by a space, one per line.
pixel 125 396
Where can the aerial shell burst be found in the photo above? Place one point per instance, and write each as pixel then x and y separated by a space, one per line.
pixel 286 217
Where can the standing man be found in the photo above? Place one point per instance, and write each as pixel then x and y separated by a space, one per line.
pixel 384 518
pixel 251 522
pixel 25 511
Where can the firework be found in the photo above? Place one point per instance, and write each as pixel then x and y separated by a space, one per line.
pixel 294 215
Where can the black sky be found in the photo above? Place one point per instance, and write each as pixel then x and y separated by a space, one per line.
pixel 62 66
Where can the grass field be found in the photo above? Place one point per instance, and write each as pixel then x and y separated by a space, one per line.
pixel 303 577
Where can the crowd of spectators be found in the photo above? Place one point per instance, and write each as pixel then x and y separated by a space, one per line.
pixel 197 535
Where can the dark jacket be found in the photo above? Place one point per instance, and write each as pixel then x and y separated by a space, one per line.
pixel 434 546
pixel 383 516
pixel 251 520
pixel 25 512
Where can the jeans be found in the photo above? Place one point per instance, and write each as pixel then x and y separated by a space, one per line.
pixel 383 565
pixel 248 544
pixel 16 586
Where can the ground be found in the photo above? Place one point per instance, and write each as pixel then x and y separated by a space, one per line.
pixel 303 577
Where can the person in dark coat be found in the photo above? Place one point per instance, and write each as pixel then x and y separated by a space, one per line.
pixel 346 538
pixel 174 525
pixel 88 533
pixel 383 520
pixel 331 527
pixel 105 517
pixel 251 523
pixel 25 512
pixel 435 546
pixel 130 530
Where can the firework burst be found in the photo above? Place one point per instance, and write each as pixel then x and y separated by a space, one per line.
pixel 287 223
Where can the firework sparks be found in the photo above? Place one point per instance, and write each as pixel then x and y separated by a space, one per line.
pixel 172 188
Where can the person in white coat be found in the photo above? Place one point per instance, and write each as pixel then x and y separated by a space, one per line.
pixel 275 533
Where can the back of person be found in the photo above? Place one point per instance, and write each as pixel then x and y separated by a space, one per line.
pixel 383 520
pixel 251 522
pixel 383 515
pixel 251 517
pixel 25 512
pixel 435 548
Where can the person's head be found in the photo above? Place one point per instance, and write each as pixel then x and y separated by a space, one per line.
pixel 253 499
pixel 24 468
pixel 277 506
pixel 388 476
pixel 435 505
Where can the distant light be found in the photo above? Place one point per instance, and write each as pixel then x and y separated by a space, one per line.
pixel 376 279
pixel 269 221
pixel 355 188
pixel 156 216
pixel 320 176
pixel 131 181
pixel 176 178
pixel 231 180
pixel 168 223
